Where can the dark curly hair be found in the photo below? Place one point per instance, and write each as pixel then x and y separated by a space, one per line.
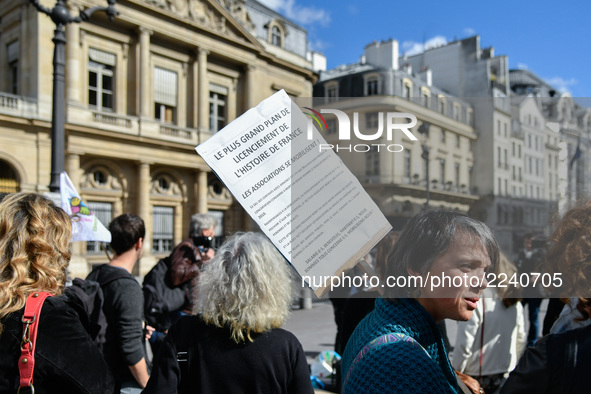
pixel 570 255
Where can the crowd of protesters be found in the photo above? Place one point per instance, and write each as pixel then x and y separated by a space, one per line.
pixel 495 351
pixel 224 332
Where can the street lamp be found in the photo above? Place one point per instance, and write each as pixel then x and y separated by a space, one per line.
pixel 61 17
pixel 424 130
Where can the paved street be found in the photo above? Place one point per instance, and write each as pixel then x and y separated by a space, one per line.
pixel 315 328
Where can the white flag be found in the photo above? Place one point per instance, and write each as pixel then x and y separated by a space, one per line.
pixel 85 224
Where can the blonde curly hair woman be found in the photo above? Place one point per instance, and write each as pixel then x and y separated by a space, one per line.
pixel 34 256
pixel 234 344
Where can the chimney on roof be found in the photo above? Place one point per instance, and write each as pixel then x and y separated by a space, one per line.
pixel 426 75
pixel 318 60
pixel 382 54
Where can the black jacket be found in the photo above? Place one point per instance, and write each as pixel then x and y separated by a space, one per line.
pixel 66 359
pixel 200 358
pixel 123 308
pixel 559 363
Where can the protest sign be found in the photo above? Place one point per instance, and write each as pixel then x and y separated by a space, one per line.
pixel 303 198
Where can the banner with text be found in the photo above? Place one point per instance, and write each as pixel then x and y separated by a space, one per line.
pixel 304 199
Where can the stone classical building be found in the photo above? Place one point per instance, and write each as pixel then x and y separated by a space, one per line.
pixel 503 145
pixel 393 171
pixel 510 172
pixel 141 92
pixel 570 129
pixel 534 164
pixel 466 70
pixel 533 142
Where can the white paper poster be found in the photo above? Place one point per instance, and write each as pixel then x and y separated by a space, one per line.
pixel 303 198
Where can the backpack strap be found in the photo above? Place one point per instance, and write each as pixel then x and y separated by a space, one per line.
pixel 391 337
pixel 26 362
pixel 185 338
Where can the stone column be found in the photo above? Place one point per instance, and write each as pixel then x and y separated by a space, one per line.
pixel 143 204
pixel 117 208
pixel 202 191
pixel 181 119
pixel 231 111
pixel 250 89
pixel 73 169
pixel 145 73
pixel 179 235
pixel 203 100
pixel 195 95
pixel 23 58
pixel 72 58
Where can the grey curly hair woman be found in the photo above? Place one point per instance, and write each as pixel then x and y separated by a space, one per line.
pixel 234 342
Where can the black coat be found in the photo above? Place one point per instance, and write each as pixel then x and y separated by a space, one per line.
pixel 559 363
pixel 200 358
pixel 66 359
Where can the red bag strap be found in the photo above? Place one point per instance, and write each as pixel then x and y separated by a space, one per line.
pixel 26 362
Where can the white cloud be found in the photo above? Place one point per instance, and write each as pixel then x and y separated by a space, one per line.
pixel 317 45
pixel 413 47
pixel 469 32
pixel 561 84
pixel 297 13
pixel 353 10
pixel 522 66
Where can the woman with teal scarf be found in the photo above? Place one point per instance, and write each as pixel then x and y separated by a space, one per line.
pixel 398 348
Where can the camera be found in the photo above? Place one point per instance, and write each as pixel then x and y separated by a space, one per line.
pixel 203 241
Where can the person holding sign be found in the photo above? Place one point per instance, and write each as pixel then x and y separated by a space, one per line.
pixel 398 347
pixel 234 344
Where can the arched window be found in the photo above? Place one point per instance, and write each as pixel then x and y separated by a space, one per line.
pixel 276 36
pixel 276 33
pixel 8 179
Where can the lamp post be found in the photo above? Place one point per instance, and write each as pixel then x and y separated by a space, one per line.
pixel 61 17
pixel 424 130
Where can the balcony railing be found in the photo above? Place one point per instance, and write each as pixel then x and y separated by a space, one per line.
pixel 112 119
pixel 18 105
pixel 9 102
pixel 415 183
pixel 79 114
pixel 175 131
pixel 372 178
pixel 133 125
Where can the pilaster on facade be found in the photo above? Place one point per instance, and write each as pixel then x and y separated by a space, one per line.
pixel 143 201
pixel 145 72
pixel 249 75
pixel 203 86
pixel 72 59
pixel 202 191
